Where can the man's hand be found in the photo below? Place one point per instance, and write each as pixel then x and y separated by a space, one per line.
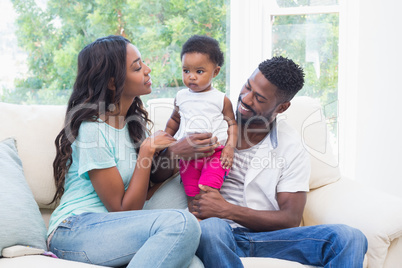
pixel 194 146
pixel 209 203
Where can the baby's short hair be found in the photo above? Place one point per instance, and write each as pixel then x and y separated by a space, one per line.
pixel 205 45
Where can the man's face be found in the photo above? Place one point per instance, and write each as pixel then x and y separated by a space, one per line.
pixel 258 103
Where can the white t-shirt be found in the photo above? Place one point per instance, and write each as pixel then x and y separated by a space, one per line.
pixel 201 112
pixel 279 163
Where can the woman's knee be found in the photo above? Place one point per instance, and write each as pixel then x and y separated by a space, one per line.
pixel 183 222
pixel 193 225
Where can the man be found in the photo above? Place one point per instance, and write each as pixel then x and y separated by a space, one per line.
pixel 260 205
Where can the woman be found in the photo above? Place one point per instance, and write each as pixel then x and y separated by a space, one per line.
pixel 103 167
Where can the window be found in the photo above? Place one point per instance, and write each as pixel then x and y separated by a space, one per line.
pixel 50 34
pixel 306 31
pixel 312 41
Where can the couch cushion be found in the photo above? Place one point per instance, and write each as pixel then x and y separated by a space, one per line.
pixel 378 215
pixel 42 262
pixel 159 112
pixel 306 116
pixel 47 262
pixel 35 128
pixel 253 262
pixel 21 222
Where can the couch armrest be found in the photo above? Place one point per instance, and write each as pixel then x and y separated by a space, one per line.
pixel 377 214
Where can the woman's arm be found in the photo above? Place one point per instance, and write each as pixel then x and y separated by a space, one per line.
pixel 108 183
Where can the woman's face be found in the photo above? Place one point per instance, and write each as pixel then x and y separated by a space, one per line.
pixel 138 81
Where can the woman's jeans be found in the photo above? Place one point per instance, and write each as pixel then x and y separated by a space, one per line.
pixel 322 245
pixel 141 238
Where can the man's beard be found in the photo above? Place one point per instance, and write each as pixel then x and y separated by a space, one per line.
pixel 255 119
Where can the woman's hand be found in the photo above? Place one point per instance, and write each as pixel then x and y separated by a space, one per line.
pixel 157 142
pixel 194 146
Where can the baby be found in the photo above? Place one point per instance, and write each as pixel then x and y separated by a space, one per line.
pixel 201 108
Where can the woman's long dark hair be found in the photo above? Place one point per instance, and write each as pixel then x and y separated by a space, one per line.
pixel 98 63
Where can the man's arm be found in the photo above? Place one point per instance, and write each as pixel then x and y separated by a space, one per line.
pixel 210 203
pixel 192 146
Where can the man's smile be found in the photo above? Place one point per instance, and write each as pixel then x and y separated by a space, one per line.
pixel 244 108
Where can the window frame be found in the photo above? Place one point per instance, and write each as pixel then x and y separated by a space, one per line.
pixel 250 43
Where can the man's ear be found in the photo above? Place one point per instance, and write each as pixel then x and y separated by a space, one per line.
pixel 283 107
pixel 111 84
pixel 217 70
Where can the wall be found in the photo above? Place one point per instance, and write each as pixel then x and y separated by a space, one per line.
pixel 379 95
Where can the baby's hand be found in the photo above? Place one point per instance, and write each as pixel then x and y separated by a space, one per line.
pixel 227 157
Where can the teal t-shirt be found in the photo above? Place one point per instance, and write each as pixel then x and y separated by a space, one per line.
pixel 97 146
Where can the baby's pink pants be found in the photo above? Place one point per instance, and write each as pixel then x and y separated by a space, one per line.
pixel 206 171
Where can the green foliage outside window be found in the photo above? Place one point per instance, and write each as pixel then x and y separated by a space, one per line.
pixel 54 37
pixel 312 41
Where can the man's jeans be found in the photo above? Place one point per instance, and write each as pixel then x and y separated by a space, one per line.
pixel 322 245
pixel 142 238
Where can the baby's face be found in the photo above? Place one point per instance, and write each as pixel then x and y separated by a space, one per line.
pixel 198 71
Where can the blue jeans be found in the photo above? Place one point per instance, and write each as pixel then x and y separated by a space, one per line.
pixel 141 238
pixel 322 245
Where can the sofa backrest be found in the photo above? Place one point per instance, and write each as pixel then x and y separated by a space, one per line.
pixel 306 116
pixel 35 128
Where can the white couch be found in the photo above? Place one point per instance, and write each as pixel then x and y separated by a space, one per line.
pixel 332 198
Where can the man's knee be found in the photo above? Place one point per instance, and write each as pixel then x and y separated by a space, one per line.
pixel 217 246
pixel 214 225
pixel 214 228
pixel 348 235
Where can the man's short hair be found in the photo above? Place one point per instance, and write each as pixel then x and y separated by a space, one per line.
pixel 285 74
pixel 205 45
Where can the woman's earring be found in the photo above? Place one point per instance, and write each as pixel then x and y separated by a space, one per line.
pixel 111 107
